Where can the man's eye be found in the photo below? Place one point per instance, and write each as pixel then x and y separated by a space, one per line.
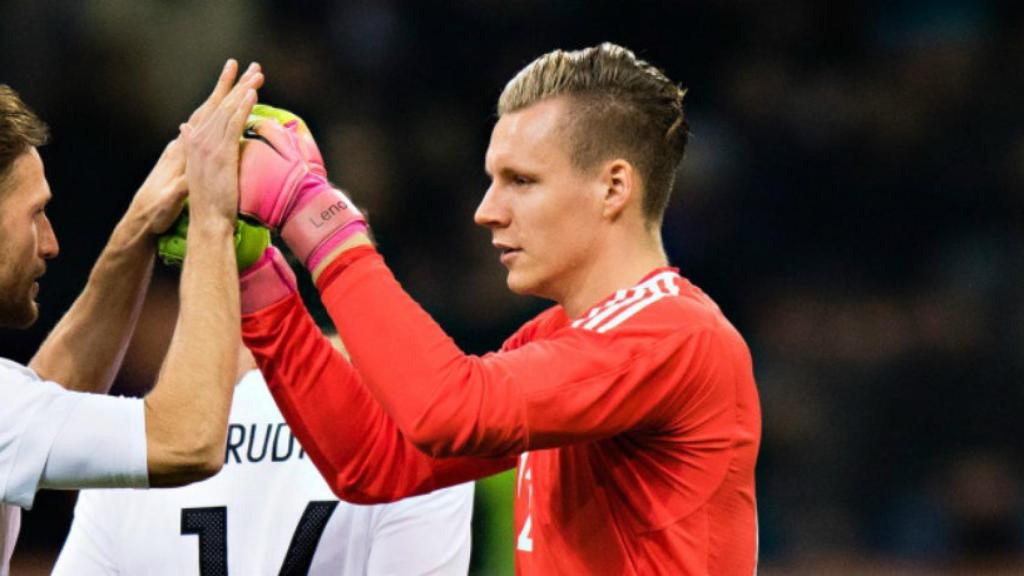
pixel 521 180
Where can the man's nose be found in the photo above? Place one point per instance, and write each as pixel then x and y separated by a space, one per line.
pixel 48 246
pixel 489 213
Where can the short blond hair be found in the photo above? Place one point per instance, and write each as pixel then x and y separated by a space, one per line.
pixel 621 106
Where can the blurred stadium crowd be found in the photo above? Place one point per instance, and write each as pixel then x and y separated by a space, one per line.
pixel 853 197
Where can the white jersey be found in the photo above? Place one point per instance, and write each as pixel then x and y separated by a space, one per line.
pixel 267 512
pixel 54 438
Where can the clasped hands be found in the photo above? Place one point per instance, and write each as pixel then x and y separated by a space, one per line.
pixel 280 181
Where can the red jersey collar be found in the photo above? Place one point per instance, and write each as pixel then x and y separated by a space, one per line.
pixel 619 294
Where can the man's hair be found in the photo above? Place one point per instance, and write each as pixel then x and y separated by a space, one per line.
pixel 20 129
pixel 621 106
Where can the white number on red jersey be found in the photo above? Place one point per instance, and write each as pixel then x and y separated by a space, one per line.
pixel 525 540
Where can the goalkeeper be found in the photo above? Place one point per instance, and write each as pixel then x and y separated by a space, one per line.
pixel 629 407
pixel 52 434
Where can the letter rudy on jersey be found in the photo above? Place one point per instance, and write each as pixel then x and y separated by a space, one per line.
pixel 253 442
pixel 290 443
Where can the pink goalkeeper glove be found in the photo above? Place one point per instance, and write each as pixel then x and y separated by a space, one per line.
pixel 283 184
pixel 268 281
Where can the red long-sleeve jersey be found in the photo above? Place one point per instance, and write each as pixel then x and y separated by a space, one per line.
pixel 636 426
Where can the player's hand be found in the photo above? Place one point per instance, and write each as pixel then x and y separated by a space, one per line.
pixel 282 183
pixel 251 241
pixel 278 153
pixel 221 89
pixel 158 201
pixel 306 146
pixel 213 150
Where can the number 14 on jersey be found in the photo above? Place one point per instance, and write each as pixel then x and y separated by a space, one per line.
pixel 211 525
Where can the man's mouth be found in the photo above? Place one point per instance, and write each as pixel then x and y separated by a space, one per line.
pixel 35 282
pixel 506 250
pixel 509 254
pixel 503 247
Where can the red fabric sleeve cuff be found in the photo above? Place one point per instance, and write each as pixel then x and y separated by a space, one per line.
pixel 342 262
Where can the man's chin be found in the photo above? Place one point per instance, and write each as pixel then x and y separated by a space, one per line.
pixel 523 286
pixel 514 289
pixel 516 284
pixel 19 317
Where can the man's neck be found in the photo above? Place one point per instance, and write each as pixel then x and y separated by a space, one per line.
pixel 620 266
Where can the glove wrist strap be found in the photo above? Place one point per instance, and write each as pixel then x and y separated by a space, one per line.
pixel 266 282
pixel 321 223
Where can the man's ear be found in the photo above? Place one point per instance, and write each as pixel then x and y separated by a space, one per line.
pixel 620 182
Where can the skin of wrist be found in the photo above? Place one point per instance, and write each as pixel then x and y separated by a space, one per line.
pixel 131 234
pixel 211 225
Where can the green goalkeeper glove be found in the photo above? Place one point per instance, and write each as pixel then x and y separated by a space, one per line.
pixel 251 240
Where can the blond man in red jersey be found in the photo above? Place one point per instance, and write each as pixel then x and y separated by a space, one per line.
pixel 629 407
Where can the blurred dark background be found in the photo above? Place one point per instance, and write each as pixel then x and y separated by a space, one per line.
pixel 852 197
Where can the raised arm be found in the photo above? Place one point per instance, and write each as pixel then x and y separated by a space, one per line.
pixel 571 386
pixel 187 412
pixel 358 449
pixel 84 351
pixel 564 390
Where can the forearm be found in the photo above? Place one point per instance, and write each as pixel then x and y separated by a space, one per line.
pixel 186 414
pixel 355 445
pixel 84 351
pixel 445 401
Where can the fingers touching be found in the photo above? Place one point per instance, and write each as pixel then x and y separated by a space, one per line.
pixel 212 141
pixel 223 88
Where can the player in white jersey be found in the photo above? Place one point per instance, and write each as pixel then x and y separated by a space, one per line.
pixel 268 512
pixel 52 433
